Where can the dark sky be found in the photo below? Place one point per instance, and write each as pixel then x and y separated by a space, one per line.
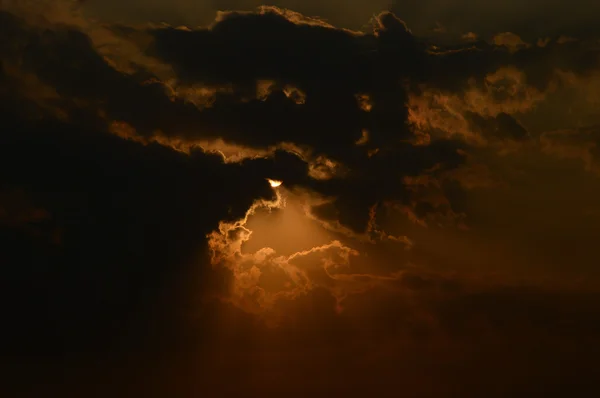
pixel 270 204
pixel 529 18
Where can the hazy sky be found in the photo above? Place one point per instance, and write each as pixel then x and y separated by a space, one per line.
pixel 535 18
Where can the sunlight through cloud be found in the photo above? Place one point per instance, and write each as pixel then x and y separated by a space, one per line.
pixel 274 183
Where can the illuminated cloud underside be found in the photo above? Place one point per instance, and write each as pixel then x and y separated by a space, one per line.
pixel 294 274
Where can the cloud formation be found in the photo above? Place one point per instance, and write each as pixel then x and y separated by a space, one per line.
pixel 436 201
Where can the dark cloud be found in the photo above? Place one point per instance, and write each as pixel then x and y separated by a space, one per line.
pixel 128 218
pixel 502 126
pixel 351 84
pixel 330 66
pixel 333 68
pixel 95 228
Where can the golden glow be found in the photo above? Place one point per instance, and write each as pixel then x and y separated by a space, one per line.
pixel 274 183
pixel 364 102
pixel 279 252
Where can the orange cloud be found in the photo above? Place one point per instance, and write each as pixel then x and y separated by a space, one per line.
pixel 263 277
pixel 435 112
pixel 510 40
pixel 364 102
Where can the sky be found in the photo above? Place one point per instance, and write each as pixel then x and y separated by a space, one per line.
pixel 299 199
pixel 531 19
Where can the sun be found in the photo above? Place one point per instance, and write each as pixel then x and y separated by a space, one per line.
pixel 274 183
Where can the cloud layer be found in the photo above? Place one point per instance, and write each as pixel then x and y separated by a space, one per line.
pixel 437 215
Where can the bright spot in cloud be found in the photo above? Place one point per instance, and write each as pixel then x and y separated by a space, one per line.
pixel 274 183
